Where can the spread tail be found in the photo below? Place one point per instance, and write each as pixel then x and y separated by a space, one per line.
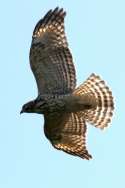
pixel 101 115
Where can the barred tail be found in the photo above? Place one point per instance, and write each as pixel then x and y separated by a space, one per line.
pixel 102 114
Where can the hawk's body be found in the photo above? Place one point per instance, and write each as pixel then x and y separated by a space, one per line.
pixel 66 109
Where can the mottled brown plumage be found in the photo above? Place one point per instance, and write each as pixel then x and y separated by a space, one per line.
pixel 66 109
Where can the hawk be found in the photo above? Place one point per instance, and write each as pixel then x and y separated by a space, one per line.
pixel 65 107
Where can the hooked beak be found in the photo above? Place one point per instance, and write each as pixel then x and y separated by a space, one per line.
pixel 21 111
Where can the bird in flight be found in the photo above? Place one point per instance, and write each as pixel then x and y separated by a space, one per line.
pixel 65 107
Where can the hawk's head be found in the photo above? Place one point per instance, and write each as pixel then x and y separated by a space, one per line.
pixel 35 106
pixel 28 107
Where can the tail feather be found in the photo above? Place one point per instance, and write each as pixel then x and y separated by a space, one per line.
pixel 102 114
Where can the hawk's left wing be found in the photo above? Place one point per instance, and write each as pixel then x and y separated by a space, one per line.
pixel 50 57
pixel 68 134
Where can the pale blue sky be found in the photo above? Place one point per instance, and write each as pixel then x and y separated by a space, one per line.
pixel 96 35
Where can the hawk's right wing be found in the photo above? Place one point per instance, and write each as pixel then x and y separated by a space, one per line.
pixel 50 57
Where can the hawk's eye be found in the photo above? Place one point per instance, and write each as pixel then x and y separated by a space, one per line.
pixel 27 108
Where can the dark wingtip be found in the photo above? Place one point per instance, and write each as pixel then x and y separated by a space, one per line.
pixel 87 156
pixel 57 12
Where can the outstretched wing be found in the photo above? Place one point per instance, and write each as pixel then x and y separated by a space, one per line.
pixel 69 135
pixel 50 57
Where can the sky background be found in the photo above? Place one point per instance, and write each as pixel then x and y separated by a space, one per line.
pixel 96 35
